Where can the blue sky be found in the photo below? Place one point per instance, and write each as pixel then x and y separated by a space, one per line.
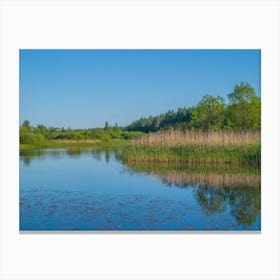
pixel 85 88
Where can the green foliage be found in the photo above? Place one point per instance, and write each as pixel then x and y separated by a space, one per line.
pixel 129 135
pixel 27 137
pixel 239 154
pixel 209 113
pixel 243 112
pixel 171 119
pixel 42 135
pixel 26 124
pixel 242 93
pixel 106 127
pixel 212 113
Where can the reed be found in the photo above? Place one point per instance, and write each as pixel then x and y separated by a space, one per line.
pixel 174 137
pixel 196 146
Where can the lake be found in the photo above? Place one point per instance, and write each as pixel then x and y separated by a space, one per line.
pixel 89 189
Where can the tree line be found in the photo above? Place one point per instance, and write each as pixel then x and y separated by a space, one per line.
pixel 41 134
pixel 242 112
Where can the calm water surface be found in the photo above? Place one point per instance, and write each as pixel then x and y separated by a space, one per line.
pixel 85 189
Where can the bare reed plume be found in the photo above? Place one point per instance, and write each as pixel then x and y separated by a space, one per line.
pixel 175 137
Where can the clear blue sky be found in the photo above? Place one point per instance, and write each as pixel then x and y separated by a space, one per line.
pixel 85 88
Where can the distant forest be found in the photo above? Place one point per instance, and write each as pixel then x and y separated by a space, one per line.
pixel 241 112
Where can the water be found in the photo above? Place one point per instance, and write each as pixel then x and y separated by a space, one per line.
pixel 86 189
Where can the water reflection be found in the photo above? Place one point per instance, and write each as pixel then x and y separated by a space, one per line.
pixel 72 152
pixel 245 205
pixel 183 175
pixel 28 155
pixel 213 200
pixel 217 192
pixel 216 188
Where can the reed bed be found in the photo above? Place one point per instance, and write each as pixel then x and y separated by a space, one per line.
pixel 174 137
pixel 196 146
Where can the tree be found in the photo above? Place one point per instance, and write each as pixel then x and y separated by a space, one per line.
pixel 209 113
pixel 106 127
pixel 244 110
pixel 26 124
pixel 242 93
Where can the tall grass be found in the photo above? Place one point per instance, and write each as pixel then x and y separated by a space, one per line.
pixel 173 138
pixel 196 146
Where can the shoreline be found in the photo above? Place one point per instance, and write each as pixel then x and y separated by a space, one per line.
pixel 76 143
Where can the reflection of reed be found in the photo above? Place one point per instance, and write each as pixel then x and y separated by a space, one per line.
pixel 208 179
pixel 202 175
pixel 216 187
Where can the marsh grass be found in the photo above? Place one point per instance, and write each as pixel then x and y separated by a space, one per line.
pixel 195 147
pixel 174 137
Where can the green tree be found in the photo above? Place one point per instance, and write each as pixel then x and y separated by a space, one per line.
pixel 23 134
pixel 244 110
pixel 106 127
pixel 242 93
pixel 26 124
pixel 209 113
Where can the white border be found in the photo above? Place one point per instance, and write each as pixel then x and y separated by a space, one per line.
pixel 139 24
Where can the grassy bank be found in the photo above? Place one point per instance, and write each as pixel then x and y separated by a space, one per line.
pixel 177 146
pixel 77 143
pixel 247 154
pixel 196 146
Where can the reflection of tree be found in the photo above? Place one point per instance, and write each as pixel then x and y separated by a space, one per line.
pixel 26 160
pixel 216 187
pixel 245 202
pixel 74 152
pixel 96 155
pixel 213 200
pixel 28 155
pixel 55 153
pixel 245 205
pixel 107 155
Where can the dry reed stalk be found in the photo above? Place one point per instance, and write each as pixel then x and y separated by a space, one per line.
pixel 179 138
